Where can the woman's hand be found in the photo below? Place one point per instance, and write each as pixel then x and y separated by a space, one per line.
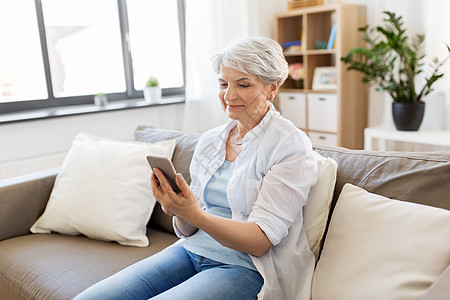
pixel 183 205
pixel 246 237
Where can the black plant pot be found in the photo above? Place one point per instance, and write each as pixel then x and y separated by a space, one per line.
pixel 408 116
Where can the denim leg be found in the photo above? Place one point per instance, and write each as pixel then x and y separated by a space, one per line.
pixel 216 281
pixel 145 278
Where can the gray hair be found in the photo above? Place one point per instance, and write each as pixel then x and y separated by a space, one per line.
pixel 259 56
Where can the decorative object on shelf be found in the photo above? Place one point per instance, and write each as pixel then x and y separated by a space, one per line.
pixel 391 61
pixel 297 4
pixel 320 44
pixel 100 99
pixel 325 78
pixel 152 91
pixel 297 73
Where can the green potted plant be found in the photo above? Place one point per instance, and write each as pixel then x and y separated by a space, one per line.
pixel 152 91
pixel 392 61
pixel 100 99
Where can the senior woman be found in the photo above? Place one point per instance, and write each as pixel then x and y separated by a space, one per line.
pixel 241 218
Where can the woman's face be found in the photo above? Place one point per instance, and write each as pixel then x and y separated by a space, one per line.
pixel 244 97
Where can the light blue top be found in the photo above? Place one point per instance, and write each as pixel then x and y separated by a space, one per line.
pixel 217 204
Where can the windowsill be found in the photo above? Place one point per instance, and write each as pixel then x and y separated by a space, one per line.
pixel 85 109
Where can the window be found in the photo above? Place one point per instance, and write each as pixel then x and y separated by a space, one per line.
pixel 22 75
pixel 63 52
pixel 84 47
pixel 153 49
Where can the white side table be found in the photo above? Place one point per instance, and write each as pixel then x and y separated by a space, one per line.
pixel 429 137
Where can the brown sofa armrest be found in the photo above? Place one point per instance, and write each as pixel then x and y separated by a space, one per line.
pixel 23 200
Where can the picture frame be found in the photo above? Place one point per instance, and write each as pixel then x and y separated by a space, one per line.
pixel 325 78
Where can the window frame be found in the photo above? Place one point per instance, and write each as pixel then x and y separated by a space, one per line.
pixel 52 102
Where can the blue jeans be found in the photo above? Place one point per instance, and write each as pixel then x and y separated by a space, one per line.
pixel 176 273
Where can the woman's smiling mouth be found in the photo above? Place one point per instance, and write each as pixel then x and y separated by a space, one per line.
pixel 234 107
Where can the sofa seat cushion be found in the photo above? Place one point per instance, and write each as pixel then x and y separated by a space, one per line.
pixel 54 266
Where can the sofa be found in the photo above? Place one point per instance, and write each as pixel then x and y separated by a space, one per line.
pixel 57 266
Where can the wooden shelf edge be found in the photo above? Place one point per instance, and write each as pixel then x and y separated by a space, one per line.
pixel 320 51
pixel 321 131
pixel 287 90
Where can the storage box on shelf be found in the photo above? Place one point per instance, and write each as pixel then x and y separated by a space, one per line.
pixel 293 107
pixel 335 117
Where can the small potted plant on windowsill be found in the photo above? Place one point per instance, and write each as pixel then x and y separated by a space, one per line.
pixel 100 99
pixel 152 90
pixel 391 61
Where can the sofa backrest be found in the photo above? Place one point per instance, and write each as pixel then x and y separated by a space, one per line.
pixel 415 177
pixel 184 149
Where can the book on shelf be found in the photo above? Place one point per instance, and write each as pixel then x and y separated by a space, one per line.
pixel 292 47
pixel 332 37
pixel 292 43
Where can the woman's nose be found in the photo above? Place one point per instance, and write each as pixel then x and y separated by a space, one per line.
pixel 229 94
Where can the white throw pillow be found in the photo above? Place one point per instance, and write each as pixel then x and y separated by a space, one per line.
pixel 315 213
pixel 379 248
pixel 103 191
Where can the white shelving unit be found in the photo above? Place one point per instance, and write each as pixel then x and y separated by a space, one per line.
pixel 335 117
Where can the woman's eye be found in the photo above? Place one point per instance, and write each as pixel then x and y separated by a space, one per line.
pixel 244 85
pixel 223 85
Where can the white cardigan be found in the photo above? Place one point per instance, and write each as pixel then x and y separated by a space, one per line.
pixel 272 177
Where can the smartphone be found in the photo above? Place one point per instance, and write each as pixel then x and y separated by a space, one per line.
pixel 165 165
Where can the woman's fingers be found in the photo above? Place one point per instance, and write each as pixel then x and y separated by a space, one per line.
pixel 181 204
pixel 155 186
pixel 161 191
pixel 182 184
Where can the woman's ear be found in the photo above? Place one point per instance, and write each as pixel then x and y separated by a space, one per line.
pixel 273 90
